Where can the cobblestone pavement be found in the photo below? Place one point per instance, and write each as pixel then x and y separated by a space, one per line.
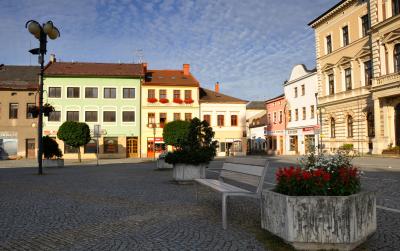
pixel 115 207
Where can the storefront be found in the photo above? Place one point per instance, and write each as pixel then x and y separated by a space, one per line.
pixel 275 142
pixel 8 144
pixel 301 140
pixel 155 146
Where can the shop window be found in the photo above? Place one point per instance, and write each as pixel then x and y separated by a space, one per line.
pixel 222 147
pixel 91 146
pixel 110 145
pixel 70 149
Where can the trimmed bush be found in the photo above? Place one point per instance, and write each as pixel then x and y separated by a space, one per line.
pixel 50 148
pixel 75 134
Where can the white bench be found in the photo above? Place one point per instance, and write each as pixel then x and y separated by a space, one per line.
pixel 244 171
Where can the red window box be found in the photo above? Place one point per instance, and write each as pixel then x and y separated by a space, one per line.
pixel 178 100
pixel 151 100
pixel 164 100
pixel 189 101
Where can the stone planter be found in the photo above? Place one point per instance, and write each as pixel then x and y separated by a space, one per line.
pixel 53 162
pixel 320 222
pixel 186 173
pixel 161 164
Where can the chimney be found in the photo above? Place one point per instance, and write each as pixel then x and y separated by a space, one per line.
pixel 186 69
pixel 217 87
pixel 144 67
pixel 53 58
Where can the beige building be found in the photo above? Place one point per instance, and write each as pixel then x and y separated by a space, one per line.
pixel 344 70
pixel 385 32
pixel 18 128
pixel 227 117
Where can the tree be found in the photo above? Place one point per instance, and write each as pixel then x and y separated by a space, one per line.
pixel 175 132
pixel 75 134
pixel 50 148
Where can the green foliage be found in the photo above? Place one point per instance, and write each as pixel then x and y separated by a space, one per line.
pixel 347 147
pixel 175 133
pixel 74 134
pixel 50 148
pixel 197 147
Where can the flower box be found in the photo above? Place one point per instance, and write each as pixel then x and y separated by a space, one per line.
pixel 319 222
pixel 187 173
pixel 53 163
pixel 188 101
pixel 151 100
pixel 47 109
pixel 164 100
pixel 178 101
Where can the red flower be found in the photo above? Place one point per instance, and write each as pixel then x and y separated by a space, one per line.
pixel 326 176
pixel 164 100
pixel 306 175
pixel 178 100
pixel 151 100
pixel 188 101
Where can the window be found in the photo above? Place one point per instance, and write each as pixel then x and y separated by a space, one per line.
pixel 163 94
pixel 188 117
pixel 222 147
pixel 347 78
pixel 128 92
pixel 397 58
pixel 269 119
pixel 234 121
pixel 312 112
pixel 290 115
pixel 303 90
pixel 177 94
pixel 70 149
pixel 188 94
pixel 328 44
pixel 368 72
pixel 207 118
pixel 54 92
pixel 109 116
pixel 396 7
pixel 91 146
pixel 110 145
pixel 91 92
pixel 220 120
pixel 151 118
pixel 177 116
pixel 91 116
pixel 128 116
pixel 110 93
pixel 350 126
pixel 151 93
pixel 280 117
pixel 295 93
pixel 13 113
pixel 163 119
pixel 304 113
pixel 73 116
pixel 275 117
pixel 333 128
pixel 331 84
pixel 28 107
pixel 55 116
pixel 73 92
pixel 364 25
pixel 345 35
pixel 371 124
pixel 296 114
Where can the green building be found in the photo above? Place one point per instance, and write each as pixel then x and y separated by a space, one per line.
pixel 102 94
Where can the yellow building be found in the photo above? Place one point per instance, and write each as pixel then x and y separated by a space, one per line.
pixel 167 95
pixel 344 72
pixel 385 32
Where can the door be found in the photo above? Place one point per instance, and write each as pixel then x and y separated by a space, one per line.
pixel 309 143
pixel 132 147
pixel 30 148
pixel 150 148
pixel 397 124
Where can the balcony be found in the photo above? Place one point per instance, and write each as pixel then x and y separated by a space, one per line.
pixel 386 79
pixel 345 95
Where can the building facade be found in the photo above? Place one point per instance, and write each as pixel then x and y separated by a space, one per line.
pixel 255 110
pixel 18 128
pixel 97 94
pixel 302 130
pixel 167 95
pixel 276 124
pixel 344 70
pixel 385 33
pixel 227 117
pixel 257 130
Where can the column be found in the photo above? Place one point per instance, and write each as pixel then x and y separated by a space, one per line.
pixel 377 121
pixel 382 59
pixel 390 60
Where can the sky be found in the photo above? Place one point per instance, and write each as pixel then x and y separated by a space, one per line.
pixel 248 46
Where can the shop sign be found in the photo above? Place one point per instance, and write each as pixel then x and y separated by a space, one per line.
pixel 157 139
pixel 308 129
pixel 292 132
pixel 273 132
pixel 8 135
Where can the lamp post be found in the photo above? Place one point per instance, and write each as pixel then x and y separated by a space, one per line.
pixel 154 126
pixel 321 110
pixel 41 32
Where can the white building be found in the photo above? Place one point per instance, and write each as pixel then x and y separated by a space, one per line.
pixel 302 128
pixel 257 130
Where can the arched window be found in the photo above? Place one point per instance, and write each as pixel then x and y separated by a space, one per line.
pixel 333 128
pixel 350 126
pixel 397 58
pixel 371 124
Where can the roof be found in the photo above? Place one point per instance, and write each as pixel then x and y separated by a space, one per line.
pixel 326 12
pixel 19 77
pixel 94 69
pixel 256 105
pixel 209 96
pixel 275 98
pixel 258 121
pixel 170 78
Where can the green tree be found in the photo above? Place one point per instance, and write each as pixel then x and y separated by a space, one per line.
pixel 175 133
pixel 50 148
pixel 75 134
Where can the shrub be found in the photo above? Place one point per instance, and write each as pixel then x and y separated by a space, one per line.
pixel 50 148
pixel 74 134
pixel 347 147
pixel 175 132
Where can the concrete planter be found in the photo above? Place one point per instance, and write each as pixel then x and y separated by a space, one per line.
pixel 53 162
pixel 320 222
pixel 186 173
pixel 161 164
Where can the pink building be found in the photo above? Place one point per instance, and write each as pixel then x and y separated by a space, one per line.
pixel 276 124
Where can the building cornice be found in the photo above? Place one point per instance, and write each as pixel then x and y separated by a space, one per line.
pixel 330 13
pixel 300 78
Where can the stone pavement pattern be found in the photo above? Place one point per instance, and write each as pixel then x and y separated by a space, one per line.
pixel 113 207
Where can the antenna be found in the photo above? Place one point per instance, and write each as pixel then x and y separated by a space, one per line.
pixel 138 54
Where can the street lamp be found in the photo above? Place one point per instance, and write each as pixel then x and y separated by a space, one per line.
pixel 41 32
pixel 321 110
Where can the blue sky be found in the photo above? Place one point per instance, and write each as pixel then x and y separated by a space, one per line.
pixel 248 46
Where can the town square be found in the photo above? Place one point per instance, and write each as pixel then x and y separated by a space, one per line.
pixel 200 125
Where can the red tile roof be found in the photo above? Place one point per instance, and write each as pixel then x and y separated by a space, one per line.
pixel 94 69
pixel 170 78
pixel 208 96
pixel 19 77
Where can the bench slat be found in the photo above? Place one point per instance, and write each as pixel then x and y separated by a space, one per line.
pixel 241 177
pixel 246 169
pixel 221 186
